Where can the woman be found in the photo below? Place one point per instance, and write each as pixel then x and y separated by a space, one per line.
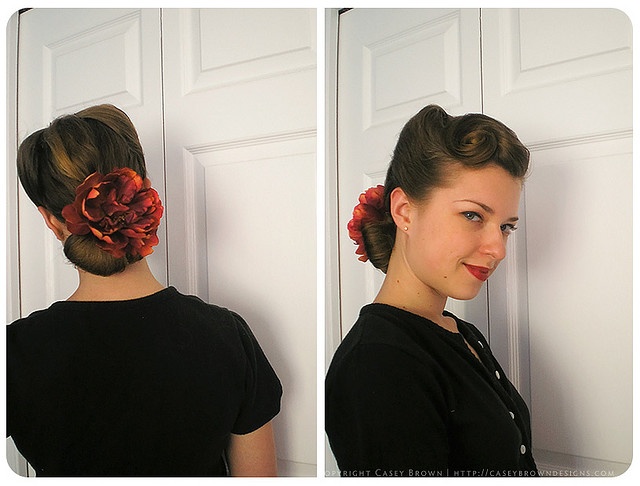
pixel 413 390
pixel 126 377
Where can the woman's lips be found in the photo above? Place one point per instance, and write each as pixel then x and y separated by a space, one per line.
pixel 481 273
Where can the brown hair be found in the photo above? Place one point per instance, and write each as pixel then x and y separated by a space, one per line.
pixel 430 148
pixel 54 161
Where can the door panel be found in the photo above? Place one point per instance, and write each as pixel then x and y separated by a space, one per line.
pixel 534 64
pixel 580 313
pixel 240 128
pixel 380 86
pixel 281 41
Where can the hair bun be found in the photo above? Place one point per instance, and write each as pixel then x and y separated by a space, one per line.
pixel 372 228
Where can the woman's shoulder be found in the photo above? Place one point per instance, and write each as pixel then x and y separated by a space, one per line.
pixel 381 355
pixel 386 324
pixel 193 304
pixel 36 319
pixel 385 331
pixel 161 309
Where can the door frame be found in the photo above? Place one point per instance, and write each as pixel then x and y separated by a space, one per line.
pixel 11 117
pixel 333 318
pixel 12 256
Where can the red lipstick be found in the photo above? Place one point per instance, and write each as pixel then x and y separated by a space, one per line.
pixel 481 273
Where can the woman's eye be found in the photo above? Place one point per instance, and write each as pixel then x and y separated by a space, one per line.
pixel 507 229
pixel 472 216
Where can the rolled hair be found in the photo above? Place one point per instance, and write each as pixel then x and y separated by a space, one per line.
pixel 431 147
pixel 52 162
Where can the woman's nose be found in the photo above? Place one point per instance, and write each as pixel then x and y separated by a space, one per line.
pixel 495 244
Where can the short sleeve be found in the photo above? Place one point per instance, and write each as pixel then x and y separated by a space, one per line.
pixel 263 390
pixel 385 410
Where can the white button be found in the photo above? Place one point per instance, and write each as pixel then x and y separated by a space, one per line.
pixel 480 343
pixel 497 375
pixel 512 415
pixel 523 449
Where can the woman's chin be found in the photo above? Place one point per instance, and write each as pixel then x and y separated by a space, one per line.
pixel 466 294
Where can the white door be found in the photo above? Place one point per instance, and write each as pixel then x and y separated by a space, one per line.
pixel 561 78
pixel 240 109
pixel 228 113
pixel 559 308
pixel 391 63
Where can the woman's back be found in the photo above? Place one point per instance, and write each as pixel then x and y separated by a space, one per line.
pixel 143 387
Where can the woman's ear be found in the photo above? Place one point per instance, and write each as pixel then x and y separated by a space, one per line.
pixel 400 208
pixel 58 227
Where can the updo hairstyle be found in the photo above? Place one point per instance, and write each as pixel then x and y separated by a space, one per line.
pixel 54 161
pixel 431 147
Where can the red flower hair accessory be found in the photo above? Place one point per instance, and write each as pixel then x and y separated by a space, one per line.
pixel 370 208
pixel 120 209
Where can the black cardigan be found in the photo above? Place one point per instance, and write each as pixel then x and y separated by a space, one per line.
pixel 405 397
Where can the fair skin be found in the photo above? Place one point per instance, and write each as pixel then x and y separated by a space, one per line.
pixel 453 241
pixel 251 454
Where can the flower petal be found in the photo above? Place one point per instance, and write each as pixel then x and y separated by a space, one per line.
pixel 120 209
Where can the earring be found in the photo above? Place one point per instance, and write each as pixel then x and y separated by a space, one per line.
pixel 406 228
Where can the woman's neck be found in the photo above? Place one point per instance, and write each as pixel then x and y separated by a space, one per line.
pixel 134 282
pixel 402 289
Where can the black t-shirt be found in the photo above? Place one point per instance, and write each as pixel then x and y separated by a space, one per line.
pixel 406 397
pixel 144 387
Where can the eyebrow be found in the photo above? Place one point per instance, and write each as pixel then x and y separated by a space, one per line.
pixel 487 208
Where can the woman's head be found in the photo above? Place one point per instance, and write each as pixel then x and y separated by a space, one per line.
pixel 54 161
pixel 432 150
pixel 451 242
